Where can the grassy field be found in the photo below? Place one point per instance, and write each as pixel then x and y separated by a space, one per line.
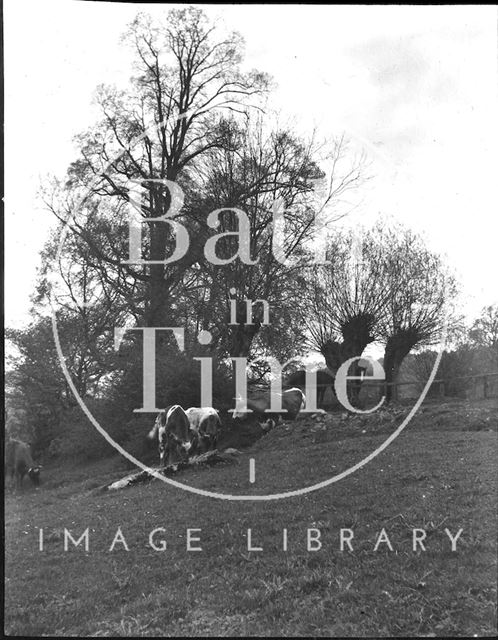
pixel 439 473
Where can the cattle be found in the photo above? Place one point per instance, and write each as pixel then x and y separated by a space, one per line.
pixel 324 379
pixel 171 429
pixel 18 462
pixel 293 400
pixel 205 425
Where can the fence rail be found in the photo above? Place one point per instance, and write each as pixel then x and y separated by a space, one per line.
pixel 443 385
pixel 486 379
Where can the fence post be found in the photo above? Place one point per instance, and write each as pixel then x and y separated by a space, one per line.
pixel 441 389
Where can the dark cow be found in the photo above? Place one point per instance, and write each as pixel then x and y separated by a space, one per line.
pixel 18 462
pixel 205 425
pixel 324 379
pixel 171 429
pixel 293 400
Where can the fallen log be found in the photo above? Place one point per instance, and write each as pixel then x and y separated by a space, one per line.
pixel 210 458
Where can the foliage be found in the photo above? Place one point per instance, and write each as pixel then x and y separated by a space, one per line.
pixel 381 284
pixel 484 333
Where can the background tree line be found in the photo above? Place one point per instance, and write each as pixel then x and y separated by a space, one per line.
pixel 475 353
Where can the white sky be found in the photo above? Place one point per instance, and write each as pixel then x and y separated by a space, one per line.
pixel 416 85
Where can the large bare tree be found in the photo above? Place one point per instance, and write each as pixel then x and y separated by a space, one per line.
pixel 260 170
pixel 186 76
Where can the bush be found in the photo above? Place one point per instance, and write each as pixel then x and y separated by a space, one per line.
pixel 77 437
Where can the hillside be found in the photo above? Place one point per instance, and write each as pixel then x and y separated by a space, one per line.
pixel 439 473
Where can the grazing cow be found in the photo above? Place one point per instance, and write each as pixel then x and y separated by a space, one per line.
pixel 18 462
pixel 323 380
pixel 171 429
pixel 205 425
pixel 293 400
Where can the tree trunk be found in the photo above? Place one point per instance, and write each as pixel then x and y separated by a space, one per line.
pixel 398 346
pixel 332 353
pixel 242 336
pixel 356 332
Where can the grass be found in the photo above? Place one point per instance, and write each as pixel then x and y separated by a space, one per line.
pixel 439 473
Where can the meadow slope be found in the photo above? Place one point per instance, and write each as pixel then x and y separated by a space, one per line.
pixel 440 473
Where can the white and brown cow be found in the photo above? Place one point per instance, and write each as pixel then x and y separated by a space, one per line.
pixel 205 426
pixel 324 379
pixel 18 462
pixel 171 429
pixel 259 402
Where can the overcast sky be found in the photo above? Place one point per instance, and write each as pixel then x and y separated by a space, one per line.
pixel 416 86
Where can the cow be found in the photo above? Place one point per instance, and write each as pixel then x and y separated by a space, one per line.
pixel 324 379
pixel 293 400
pixel 18 462
pixel 205 425
pixel 171 429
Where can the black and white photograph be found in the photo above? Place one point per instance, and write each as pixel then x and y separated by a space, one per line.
pixel 250 319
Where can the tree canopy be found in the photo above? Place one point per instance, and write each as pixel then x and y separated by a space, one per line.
pixel 189 153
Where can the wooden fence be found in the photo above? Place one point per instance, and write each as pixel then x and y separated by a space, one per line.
pixel 487 382
pixel 480 386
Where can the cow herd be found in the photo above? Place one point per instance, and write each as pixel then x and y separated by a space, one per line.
pixel 179 433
